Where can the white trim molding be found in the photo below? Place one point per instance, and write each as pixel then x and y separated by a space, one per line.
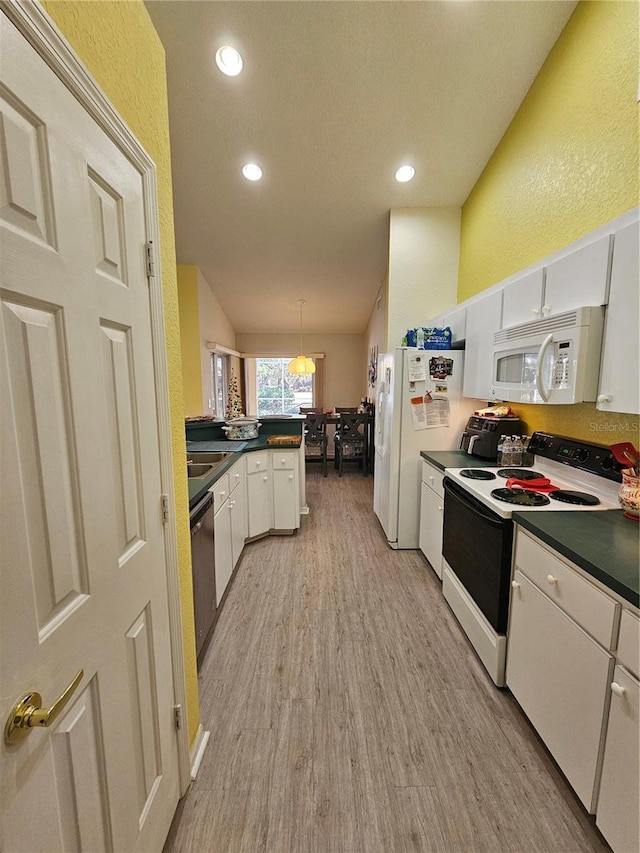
pixel 44 36
pixel 197 751
pixel 212 346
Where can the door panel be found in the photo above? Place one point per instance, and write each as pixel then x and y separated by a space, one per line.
pixel 83 582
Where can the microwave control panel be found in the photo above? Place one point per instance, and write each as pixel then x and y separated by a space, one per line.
pixel 561 364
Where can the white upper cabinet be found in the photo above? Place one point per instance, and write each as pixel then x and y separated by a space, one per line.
pixel 483 321
pixel 578 279
pixel 618 390
pixel 456 319
pixel 522 299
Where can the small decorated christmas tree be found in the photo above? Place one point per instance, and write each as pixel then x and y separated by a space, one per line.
pixel 234 401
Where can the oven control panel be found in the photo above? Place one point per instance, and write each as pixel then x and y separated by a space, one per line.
pixel 594 458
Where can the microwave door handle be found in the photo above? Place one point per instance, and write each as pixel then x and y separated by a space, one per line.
pixel 539 383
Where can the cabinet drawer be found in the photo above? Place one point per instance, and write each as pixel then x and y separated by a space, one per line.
pixel 220 491
pixel 236 474
pixel 629 642
pixel 433 478
pixel 283 461
pixel 592 609
pixel 258 461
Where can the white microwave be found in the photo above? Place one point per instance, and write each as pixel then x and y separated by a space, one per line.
pixel 552 360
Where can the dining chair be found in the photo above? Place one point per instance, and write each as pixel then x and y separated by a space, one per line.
pixel 315 439
pixel 307 410
pixel 350 441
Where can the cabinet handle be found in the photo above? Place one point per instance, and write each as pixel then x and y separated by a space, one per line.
pixel 291 476
pixel 231 505
pixel 618 689
pixel 515 584
pixel 535 312
pixel 604 398
pixel 265 478
pixel 258 464
pixel 195 529
pixel 283 461
pixel 551 580
pixel 546 309
pixel 439 509
pixel 430 478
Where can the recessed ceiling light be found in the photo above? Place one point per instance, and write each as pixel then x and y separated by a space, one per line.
pixel 404 174
pixel 252 172
pixel 229 61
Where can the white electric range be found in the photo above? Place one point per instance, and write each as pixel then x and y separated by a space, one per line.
pixel 567 476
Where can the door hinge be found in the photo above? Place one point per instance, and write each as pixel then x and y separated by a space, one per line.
pixel 151 259
pixel 164 502
pixel 177 710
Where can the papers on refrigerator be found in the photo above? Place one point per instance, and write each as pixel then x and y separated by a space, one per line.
pixel 430 411
pixel 417 368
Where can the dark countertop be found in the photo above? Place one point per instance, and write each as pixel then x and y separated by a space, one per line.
pixel 211 428
pixel 197 487
pixel 455 459
pixel 604 543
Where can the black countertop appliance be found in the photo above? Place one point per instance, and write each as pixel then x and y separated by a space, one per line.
pixel 482 435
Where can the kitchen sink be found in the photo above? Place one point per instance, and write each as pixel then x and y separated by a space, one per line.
pixel 200 465
pixel 207 458
pixel 195 472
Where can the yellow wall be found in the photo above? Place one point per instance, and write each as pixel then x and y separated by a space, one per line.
pixel 119 45
pixel 567 163
pixel 190 338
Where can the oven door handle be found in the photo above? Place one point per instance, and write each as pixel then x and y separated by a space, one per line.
pixel 471 504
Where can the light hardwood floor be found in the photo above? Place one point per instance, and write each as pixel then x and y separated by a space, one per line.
pixel 348 713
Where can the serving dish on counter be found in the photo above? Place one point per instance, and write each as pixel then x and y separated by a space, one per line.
pixel 242 429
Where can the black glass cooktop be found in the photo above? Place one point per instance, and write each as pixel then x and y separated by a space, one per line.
pixel 569 497
pixel 519 474
pixel 522 497
pixel 477 474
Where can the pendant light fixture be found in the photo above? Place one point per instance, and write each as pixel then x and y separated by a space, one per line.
pixel 301 365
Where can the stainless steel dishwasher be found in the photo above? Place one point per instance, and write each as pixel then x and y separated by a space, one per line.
pixel 203 569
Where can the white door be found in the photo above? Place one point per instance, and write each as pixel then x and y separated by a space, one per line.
pixel 83 578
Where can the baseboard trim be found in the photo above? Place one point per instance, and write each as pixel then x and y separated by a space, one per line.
pixel 197 752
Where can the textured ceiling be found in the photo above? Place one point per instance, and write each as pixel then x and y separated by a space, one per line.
pixel 334 96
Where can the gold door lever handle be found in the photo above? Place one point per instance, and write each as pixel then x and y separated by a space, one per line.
pixel 27 713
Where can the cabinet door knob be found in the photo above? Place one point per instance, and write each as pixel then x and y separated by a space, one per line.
pixel 515 584
pixel 546 309
pixel 439 509
pixel 551 580
pixel 265 478
pixel 535 312
pixel 283 461
pixel 604 398
pixel 430 478
pixel 222 494
pixel 291 476
pixel 617 689
pixel 258 464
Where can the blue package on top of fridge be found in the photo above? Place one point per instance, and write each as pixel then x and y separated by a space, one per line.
pixel 428 337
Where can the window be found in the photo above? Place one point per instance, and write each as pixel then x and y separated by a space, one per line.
pixel 278 391
pixel 219 384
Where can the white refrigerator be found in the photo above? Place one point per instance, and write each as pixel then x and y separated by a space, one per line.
pixel 419 406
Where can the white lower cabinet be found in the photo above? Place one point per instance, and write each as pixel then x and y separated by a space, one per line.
pixel 259 502
pixel 560 677
pixel 273 491
pixel 286 502
pixel 223 549
pixel 573 662
pixel 229 525
pixel 431 516
pixel 617 815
